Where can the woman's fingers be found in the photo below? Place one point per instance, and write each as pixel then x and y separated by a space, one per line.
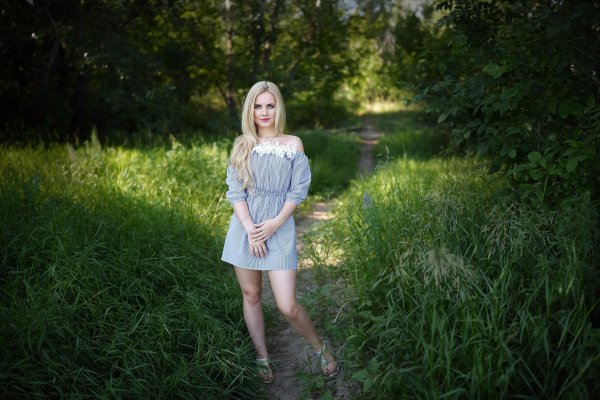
pixel 263 248
pixel 254 235
pixel 261 237
pixel 258 248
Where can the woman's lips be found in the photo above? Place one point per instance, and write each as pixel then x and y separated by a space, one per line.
pixel 265 119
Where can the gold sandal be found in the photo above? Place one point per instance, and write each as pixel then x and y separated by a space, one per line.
pixel 264 370
pixel 324 363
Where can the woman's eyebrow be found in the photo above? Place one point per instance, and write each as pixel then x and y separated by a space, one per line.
pixel 268 104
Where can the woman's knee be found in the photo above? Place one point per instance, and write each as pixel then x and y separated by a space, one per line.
pixel 289 310
pixel 252 295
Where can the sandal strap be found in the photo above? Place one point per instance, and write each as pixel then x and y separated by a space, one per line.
pixel 264 366
pixel 323 361
pixel 264 362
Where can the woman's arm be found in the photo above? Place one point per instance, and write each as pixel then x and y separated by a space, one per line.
pixel 236 195
pixel 241 210
pixel 267 228
pixel 258 249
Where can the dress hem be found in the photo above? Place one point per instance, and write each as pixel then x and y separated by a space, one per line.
pixel 290 268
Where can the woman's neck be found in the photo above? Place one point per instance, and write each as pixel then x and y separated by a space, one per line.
pixel 267 134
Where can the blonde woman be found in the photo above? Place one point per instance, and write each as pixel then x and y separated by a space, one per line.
pixel 268 177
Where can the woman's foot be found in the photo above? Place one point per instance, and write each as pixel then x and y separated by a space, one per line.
pixel 329 366
pixel 264 370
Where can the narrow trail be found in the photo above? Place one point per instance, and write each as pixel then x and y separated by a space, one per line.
pixel 369 137
pixel 291 354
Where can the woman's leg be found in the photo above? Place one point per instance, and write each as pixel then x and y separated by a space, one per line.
pixel 251 284
pixel 283 284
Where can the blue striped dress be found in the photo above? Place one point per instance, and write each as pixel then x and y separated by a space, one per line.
pixel 281 173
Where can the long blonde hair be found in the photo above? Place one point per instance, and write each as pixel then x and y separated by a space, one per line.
pixel 243 145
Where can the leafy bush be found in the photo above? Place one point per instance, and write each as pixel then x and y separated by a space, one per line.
pixel 525 92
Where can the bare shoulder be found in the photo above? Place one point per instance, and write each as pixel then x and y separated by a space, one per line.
pixel 291 140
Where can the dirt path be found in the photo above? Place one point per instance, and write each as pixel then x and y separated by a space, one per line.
pixel 293 358
pixel 368 138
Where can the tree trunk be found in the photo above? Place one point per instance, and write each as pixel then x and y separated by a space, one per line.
pixel 271 37
pixel 78 101
pixel 77 127
pixel 259 33
pixel 230 87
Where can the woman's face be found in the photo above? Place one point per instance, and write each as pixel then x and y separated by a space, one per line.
pixel 264 110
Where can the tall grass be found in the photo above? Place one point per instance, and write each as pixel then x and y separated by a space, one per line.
pixel 111 279
pixel 461 293
pixel 111 284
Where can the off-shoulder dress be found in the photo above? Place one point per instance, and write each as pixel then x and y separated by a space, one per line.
pixel 281 173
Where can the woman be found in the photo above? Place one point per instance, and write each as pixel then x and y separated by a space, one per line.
pixel 268 176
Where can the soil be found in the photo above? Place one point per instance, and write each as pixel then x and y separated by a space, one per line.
pixel 294 360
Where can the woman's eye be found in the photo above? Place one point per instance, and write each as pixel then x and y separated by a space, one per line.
pixel 271 106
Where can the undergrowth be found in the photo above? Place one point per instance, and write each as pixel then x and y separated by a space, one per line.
pixel 110 275
pixel 456 290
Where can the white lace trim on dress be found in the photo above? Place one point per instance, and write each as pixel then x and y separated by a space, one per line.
pixel 276 149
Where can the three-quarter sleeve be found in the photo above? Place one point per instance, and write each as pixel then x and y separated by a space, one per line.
pixel 300 179
pixel 236 190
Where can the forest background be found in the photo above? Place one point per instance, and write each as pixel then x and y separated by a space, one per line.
pixel 512 85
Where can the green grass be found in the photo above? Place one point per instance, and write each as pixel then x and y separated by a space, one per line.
pixel 111 279
pixel 407 134
pixel 459 292
pixel 333 160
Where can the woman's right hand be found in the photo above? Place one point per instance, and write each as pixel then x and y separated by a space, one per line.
pixel 258 249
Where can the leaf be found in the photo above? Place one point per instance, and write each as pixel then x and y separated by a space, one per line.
pixel 534 156
pixel 570 108
pixel 512 153
pixel 443 117
pixel 494 70
pixel 368 384
pixel 571 165
pixel 590 101
pixel 361 375
pixel 509 93
pixel 535 174
pixel 327 396
pixel 482 148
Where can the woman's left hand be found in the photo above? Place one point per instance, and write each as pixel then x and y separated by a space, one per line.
pixel 265 229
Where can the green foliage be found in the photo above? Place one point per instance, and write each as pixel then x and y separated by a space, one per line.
pixel 459 294
pixel 165 67
pixel 525 92
pixel 407 134
pixel 421 55
pixel 333 160
pixel 110 279
pixel 453 289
